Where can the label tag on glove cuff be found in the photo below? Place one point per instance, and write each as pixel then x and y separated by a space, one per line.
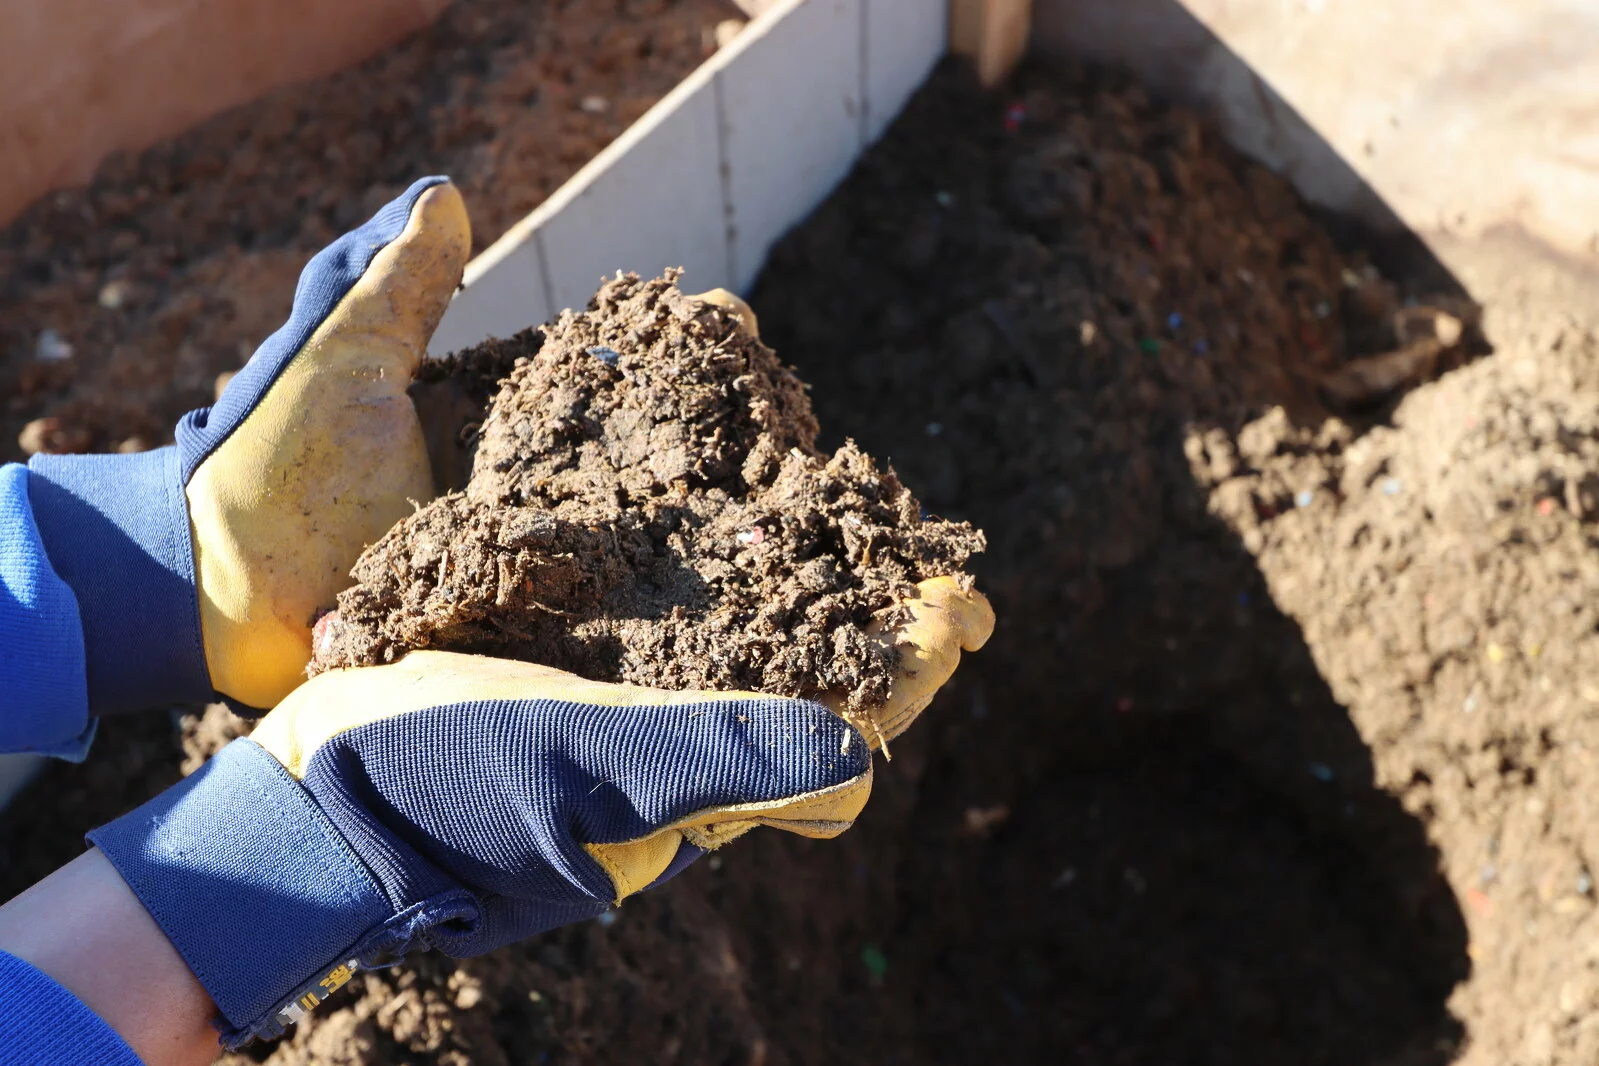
pixel 312 994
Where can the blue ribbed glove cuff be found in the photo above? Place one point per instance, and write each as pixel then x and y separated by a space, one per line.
pixel 260 893
pixel 116 530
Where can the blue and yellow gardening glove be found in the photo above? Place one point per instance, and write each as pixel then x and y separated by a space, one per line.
pixel 198 568
pixel 461 803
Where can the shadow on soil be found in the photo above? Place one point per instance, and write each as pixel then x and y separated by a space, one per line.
pixel 1139 829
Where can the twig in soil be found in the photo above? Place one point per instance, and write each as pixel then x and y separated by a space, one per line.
pixel 503 581
pixel 551 610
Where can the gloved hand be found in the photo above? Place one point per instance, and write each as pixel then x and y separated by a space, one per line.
pixel 944 621
pixel 198 567
pixel 461 803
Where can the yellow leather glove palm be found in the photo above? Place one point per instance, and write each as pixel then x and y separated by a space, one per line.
pixel 323 460
pixel 945 620
pixel 199 567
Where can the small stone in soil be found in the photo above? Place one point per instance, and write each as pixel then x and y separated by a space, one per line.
pixel 114 294
pixel 51 347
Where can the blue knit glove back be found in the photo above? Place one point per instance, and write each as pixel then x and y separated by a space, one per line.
pixel 461 803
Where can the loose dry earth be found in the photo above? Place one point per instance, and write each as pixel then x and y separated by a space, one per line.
pixel 1285 747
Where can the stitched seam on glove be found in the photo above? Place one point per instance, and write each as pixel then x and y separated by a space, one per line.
pixel 340 266
pixel 206 859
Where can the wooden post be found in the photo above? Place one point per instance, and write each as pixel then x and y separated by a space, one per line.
pixel 992 32
pixel 755 8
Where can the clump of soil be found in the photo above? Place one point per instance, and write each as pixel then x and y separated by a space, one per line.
pixel 647 504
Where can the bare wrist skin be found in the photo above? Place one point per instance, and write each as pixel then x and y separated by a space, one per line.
pixel 85 928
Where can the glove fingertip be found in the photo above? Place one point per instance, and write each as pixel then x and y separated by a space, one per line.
pixel 966 611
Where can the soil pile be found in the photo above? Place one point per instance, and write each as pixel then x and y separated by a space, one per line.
pixel 1306 688
pixel 1446 572
pixel 647 504
pixel 1161 818
pixel 1164 824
